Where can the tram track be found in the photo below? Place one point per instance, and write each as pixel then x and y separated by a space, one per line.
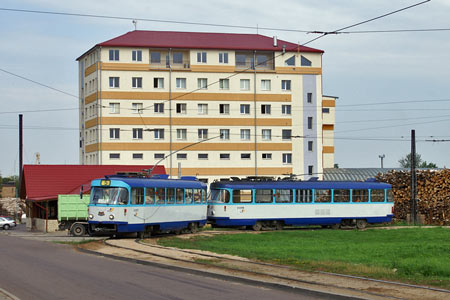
pixel 290 277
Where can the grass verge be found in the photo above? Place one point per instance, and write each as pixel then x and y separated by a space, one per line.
pixel 415 255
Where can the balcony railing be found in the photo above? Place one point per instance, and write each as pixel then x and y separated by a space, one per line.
pixel 185 64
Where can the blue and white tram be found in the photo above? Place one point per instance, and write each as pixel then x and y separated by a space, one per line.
pixel 274 204
pixel 146 205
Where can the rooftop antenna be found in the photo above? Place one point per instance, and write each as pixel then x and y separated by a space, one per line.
pixel 135 24
pixel 38 158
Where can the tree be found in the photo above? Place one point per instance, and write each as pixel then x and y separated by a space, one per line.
pixel 406 162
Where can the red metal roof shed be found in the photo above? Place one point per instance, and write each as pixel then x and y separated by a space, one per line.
pixel 46 182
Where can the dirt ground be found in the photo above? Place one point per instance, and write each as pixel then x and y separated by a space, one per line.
pixel 237 267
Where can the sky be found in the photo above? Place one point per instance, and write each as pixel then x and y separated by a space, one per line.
pixel 387 83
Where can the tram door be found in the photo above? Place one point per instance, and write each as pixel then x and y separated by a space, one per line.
pixel 136 214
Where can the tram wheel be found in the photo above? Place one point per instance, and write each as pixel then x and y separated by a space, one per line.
pixel 335 226
pixel 193 227
pixel 361 224
pixel 141 235
pixel 278 225
pixel 258 226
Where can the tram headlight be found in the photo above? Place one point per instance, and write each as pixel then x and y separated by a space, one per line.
pixel 91 216
pixel 111 217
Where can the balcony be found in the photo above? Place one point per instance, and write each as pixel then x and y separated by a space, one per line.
pixel 176 60
pixel 264 61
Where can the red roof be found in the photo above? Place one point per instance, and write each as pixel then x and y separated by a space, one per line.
pixel 46 182
pixel 202 40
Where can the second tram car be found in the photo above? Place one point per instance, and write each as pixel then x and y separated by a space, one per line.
pixel 274 204
pixel 146 205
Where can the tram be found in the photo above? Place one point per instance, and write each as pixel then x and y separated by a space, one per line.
pixel 273 204
pixel 121 204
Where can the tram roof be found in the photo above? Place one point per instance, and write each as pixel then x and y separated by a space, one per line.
pixel 300 185
pixel 156 182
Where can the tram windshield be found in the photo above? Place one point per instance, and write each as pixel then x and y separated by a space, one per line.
pixel 222 196
pixel 109 195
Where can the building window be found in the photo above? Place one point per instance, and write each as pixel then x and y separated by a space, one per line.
pixel 305 62
pixel 136 82
pixel 245 109
pixel 159 156
pixel 266 156
pixel 114 156
pixel 286 85
pixel 266 134
pixel 245 134
pixel 310 170
pixel 224 156
pixel 138 156
pixel 287 158
pixel 202 83
pixel 265 109
pixel 181 155
pixel 286 134
pixel 224 84
pixel 265 85
pixel 224 109
pixel 202 134
pixel 309 97
pixel 181 134
pixel 310 122
pixel 245 84
pixel 290 61
pixel 203 156
pixel 114 133
pixel 114 108
pixel 245 155
pixel 113 55
pixel 223 58
pixel 224 134
pixel 181 83
pixel 286 109
pixel 201 57
pixel 155 58
pixel 158 83
pixel 137 108
pixel 159 108
pixel 310 145
pixel 137 133
pixel 177 58
pixel 159 134
pixel 136 55
pixel 181 108
pixel 202 109
pixel 114 82
pixel 325 110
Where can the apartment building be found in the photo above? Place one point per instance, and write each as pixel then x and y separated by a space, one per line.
pixel 211 105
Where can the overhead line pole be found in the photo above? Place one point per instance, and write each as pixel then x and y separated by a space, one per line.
pixel 413 178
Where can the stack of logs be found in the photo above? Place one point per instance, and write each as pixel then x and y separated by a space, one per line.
pixel 433 194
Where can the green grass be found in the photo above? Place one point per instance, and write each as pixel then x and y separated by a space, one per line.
pixel 408 254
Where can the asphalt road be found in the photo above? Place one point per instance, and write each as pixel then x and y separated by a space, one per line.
pixel 31 269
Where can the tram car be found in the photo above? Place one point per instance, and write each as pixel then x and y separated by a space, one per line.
pixel 121 204
pixel 272 204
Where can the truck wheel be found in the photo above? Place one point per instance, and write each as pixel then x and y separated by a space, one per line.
pixel 78 230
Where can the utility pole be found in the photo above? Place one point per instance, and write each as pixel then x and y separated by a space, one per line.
pixel 20 152
pixel 382 156
pixel 413 178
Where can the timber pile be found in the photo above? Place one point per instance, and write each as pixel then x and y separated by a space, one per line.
pixel 433 194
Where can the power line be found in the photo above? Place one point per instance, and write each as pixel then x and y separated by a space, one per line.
pixel 37 110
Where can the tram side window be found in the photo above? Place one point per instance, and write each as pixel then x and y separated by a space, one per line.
pixel 360 196
pixel 137 196
pixel 150 196
pixel 197 196
pixel 160 195
pixel 188 196
pixel 376 195
pixel 123 197
pixel 284 196
pixel 263 196
pixel 242 196
pixel 180 196
pixel 170 194
pixel 341 195
pixel 204 195
pixel 322 196
pixel 303 196
pixel 389 195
